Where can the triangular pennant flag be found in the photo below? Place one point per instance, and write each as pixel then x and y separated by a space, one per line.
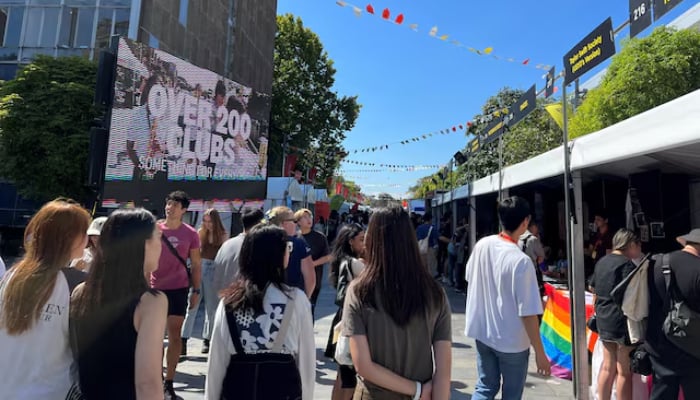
pixel 511 60
pixel 526 62
pixel 444 37
pixel 488 50
pixel 413 27
pixel 461 127
pixel 478 52
pixel 433 31
pixel 341 3
pixel 456 43
pixel 357 11
pixel 370 9
pixel 399 19
pixel 386 13
pixel 454 129
pixel 473 50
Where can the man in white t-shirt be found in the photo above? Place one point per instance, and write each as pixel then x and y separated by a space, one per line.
pixel 503 303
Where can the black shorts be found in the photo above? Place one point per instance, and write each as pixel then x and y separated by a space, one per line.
pixel 177 301
pixel 348 377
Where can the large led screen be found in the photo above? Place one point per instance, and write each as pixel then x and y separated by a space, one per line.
pixel 176 126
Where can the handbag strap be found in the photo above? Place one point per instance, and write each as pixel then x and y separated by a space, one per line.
pixel 233 330
pixel 288 312
pixel 173 250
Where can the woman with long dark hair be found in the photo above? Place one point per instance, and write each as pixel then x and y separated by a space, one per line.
pixel 397 317
pixel 262 323
pixel 348 249
pixel 118 320
pixel 34 305
pixel 212 235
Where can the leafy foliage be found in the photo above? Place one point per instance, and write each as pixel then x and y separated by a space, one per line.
pixel 45 116
pixel 646 73
pixel 303 102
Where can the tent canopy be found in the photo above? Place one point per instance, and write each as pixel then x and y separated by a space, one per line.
pixel 665 138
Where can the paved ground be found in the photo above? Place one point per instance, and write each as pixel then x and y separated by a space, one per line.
pixel 189 382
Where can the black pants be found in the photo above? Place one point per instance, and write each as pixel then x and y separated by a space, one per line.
pixel 441 258
pixel 317 289
pixel 667 383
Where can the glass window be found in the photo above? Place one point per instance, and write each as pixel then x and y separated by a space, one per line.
pixel 69 22
pixel 11 1
pixel 81 2
pixel 121 21
pixel 183 11
pixel 33 27
pixel 4 11
pixel 83 36
pixel 118 3
pixel 45 2
pixel 50 26
pixel 14 27
pixel 153 41
pixel 104 27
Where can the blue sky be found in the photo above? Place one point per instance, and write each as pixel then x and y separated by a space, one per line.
pixel 410 84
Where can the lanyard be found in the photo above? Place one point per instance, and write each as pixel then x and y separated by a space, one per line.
pixel 507 238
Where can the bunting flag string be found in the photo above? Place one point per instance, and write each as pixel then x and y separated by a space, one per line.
pixel 386 16
pixel 392 166
pixel 446 131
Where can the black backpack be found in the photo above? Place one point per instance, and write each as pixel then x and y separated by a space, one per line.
pixel 682 324
pixel 265 376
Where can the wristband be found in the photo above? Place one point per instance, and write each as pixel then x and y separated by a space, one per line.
pixel 419 391
pixel 196 291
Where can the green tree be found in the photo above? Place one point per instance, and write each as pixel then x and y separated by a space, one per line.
pixel 646 73
pixel 45 116
pixel 304 105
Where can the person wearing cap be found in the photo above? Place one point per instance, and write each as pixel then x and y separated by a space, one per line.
pixel 85 262
pixel 674 368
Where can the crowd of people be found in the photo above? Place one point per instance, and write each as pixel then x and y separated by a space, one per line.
pixel 84 312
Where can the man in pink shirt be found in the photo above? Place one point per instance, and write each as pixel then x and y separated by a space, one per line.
pixel 172 276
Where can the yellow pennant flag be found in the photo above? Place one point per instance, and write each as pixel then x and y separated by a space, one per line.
pixel 488 50
pixel 557 113
pixel 444 37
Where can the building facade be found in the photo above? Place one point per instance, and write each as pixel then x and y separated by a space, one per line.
pixel 234 38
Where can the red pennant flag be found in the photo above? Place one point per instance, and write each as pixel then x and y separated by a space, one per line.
pixel 386 14
pixel 338 188
pixel 469 124
pixel 556 89
pixel 370 9
pixel 461 127
pixel 399 19
pixel 454 129
pixel 526 62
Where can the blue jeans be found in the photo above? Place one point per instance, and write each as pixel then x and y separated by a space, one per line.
pixel 492 365
pixel 211 301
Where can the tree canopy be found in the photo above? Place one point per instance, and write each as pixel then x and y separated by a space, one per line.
pixel 646 73
pixel 45 117
pixel 304 105
pixel 530 137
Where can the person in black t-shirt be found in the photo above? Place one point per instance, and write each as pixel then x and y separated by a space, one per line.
pixel 612 323
pixel 674 368
pixel 320 252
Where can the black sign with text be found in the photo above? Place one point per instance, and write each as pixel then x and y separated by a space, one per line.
pixel 494 130
pixel 523 107
pixel 595 48
pixel 661 7
pixel 549 86
pixel 640 16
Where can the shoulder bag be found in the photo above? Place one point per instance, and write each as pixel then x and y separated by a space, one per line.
pixel 177 255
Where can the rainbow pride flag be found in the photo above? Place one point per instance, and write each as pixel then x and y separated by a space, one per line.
pixel 555 330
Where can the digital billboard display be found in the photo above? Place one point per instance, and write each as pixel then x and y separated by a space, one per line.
pixel 175 126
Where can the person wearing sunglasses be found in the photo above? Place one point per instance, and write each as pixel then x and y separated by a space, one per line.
pixel 300 272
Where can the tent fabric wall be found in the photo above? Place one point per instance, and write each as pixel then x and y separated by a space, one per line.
pixel 664 128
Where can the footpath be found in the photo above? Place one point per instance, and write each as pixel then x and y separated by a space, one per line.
pixel 189 382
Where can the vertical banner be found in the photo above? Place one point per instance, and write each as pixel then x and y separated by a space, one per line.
pixel 549 86
pixel 640 16
pixel 595 48
pixel 289 164
pixel 661 7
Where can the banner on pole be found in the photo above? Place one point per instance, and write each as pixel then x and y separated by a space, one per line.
pixel 661 7
pixel 523 107
pixel 549 86
pixel 595 48
pixel 640 16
